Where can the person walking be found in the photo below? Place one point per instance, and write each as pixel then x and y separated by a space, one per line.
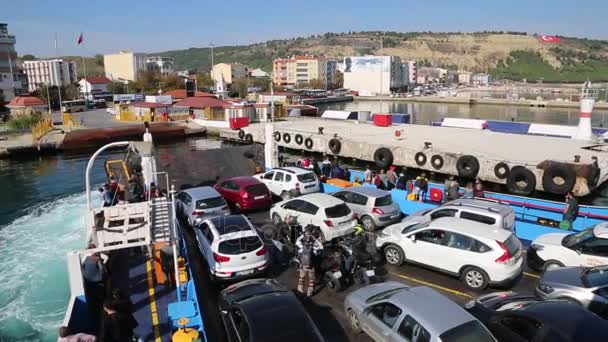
pixel 478 189
pixel 391 178
pixel 401 182
pixel 116 326
pixel 108 196
pixel 384 179
pixel 422 186
pixel 368 175
pixel 451 189
pixel 307 246
pixel 468 191
pixel 94 276
pixel 571 209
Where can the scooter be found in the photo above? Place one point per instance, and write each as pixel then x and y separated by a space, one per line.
pixel 337 277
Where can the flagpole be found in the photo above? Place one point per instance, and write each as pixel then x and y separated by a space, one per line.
pixel 84 70
pixel 60 77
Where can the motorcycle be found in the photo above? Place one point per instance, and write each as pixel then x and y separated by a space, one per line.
pixel 368 272
pixel 337 277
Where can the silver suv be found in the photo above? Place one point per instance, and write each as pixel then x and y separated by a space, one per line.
pixel 374 207
pixel 491 212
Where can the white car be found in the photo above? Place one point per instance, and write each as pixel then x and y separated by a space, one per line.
pixel 585 248
pixel 111 110
pixel 479 255
pixel 331 214
pixel 232 247
pixel 289 182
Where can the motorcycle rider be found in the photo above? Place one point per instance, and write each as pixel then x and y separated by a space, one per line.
pixel 360 255
pixel 308 247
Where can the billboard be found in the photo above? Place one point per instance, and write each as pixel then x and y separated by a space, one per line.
pixel 369 75
pixel 367 64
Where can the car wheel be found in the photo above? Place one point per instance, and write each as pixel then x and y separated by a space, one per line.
pixel 276 219
pixel 354 321
pixel 551 264
pixel 368 223
pixel 474 278
pixel 286 195
pixel 394 255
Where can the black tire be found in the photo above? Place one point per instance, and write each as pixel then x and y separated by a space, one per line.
pixel 308 143
pixel 394 255
pixel 550 264
pixel 334 146
pixel 276 219
pixel 249 138
pixel 286 138
pixel 559 170
pixel 520 174
pixel 277 136
pixel 467 166
pixel 420 158
pixel 437 162
pixel 299 139
pixel 594 176
pixel 241 134
pixel 368 223
pixel 501 170
pixel 383 157
pixel 474 278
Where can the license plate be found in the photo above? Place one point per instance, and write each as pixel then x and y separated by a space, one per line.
pixel 370 273
pixel 337 275
pixel 259 197
pixel 344 222
pixel 395 216
pixel 244 272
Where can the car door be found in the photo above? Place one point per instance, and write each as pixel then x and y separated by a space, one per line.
pixel 358 203
pixel 379 319
pixel 293 208
pixel 460 251
pixel 205 241
pixel 279 182
pixel 427 247
pixel 230 191
pixel 410 330
pixel 268 180
pixel 593 252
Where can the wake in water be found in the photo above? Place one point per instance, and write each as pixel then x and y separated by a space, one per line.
pixel 34 289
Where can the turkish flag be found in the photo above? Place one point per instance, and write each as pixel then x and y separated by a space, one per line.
pixel 80 39
pixel 549 39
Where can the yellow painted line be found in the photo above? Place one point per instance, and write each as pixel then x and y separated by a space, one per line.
pixel 446 289
pixel 532 275
pixel 153 310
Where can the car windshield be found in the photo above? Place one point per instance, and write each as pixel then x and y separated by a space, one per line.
pixel 210 203
pixel 512 244
pixel 595 276
pixel 307 177
pixel 517 304
pixel 384 201
pixel 239 245
pixel 339 210
pixel 576 238
pixel 413 227
pixel 384 295
pixel 472 331
pixel 257 189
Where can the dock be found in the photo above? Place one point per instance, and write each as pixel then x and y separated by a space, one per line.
pixel 329 99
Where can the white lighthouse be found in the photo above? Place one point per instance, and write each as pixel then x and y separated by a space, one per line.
pixel 583 131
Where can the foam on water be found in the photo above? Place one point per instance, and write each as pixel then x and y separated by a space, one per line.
pixel 34 289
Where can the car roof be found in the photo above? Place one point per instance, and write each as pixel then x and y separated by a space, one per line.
pixel 367 190
pixel 320 199
pixel 244 180
pixel 483 204
pixel 202 192
pixel 292 169
pixel 251 288
pixel 431 309
pixel 230 224
pixel 471 227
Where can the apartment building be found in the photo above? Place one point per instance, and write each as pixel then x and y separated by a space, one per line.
pixel 124 66
pixel 303 69
pixel 10 79
pixel 54 72
pixel 228 72
pixel 164 65
pixel 374 75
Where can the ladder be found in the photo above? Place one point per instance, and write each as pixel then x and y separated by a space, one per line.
pixel 161 219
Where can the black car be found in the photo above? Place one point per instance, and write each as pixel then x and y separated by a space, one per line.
pixel 264 310
pixel 518 318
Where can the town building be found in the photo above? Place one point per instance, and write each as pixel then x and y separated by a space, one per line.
pixel 482 79
pixel 412 71
pixel 433 74
pixel 283 97
pixel 54 72
pixel 228 72
pixel 464 77
pixel 258 73
pixel 164 65
pixel 179 94
pixel 302 69
pixel 94 87
pixel 10 79
pixel 331 69
pixel 26 105
pixel 374 75
pixel 124 66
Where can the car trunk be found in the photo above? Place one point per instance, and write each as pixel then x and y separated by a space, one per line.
pixel 243 252
pixel 210 205
pixel 339 215
pixel 256 192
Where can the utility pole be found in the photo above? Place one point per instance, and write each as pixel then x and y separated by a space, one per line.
pixel 212 44
pixel 59 76
pixel 271 102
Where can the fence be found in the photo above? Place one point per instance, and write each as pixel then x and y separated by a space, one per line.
pixel 41 128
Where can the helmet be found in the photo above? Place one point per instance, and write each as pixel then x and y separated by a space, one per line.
pixel 359 229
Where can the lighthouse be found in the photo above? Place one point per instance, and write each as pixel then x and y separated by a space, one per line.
pixel 583 131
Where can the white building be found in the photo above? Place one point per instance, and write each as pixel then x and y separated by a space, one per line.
pixel 373 75
pixel 258 73
pixel 481 79
pixel 94 87
pixel 54 72
pixel 10 80
pixel 164 65
pixel 228 72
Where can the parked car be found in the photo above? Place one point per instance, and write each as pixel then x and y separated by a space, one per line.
pixel 373 207
pixel 518 318
pixel 479 255
pixel 263 310
pixel 232 247
pixel 486 211
pixel 289 182
pixel 195 203
pixel 245 193
pixel 330 214
pixel 585 248
pixel 586 286
pixel 393 312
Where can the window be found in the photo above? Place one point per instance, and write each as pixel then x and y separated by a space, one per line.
pixel 239 245
pixel 596 276
pixel 287 178
pixel 187 199
pixel 340 195
pixel 307 177
pixel 229 185
pixel 336 211
pixel 478 218
pixel 239 325
pixel 257 189
pixel 310 208
pixel 596 247
pixel 207 233
pixel 443 213
pixel 413 331
pixel 480 247
pixel 524 327
pixel 296 205
pixel 269 175
pixel 212 202
pixel 470 331
pixel 358 199
pixel 412 227
pixel 278 177
pixel 384 201
pixel 435 236
pixel 459 241
pixel 387 313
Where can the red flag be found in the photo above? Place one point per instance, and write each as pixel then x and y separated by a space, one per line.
pixel 549 39
pixel 80 39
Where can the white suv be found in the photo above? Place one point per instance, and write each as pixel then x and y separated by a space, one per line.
pixel 232 247
pixel 332 215
pixel 289 182
pixel 586 248
pixel 478 254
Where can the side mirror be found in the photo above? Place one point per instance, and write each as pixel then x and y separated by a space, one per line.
pixel 413 237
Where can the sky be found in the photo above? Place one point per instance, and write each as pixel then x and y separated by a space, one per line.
pixel 152 26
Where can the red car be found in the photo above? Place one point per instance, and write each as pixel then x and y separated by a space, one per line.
pixel 245 193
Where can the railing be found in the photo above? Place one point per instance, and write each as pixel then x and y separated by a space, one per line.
pixel 41 128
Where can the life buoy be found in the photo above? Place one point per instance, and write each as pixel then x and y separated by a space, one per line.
pixel 299 139
pixel 521 181
pixel 286 138
pixel 334 146
pixel 383 157
pixel 241 134
pixel 420 158
pixel 249 138
pixel 437 162
pixel 308 143
pixel 561 171
pixel 277 136
pixel 501 170
pixel 467 166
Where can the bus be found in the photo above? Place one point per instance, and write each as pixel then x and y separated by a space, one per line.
pixel 73 106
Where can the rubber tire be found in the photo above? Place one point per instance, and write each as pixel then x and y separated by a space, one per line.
pixel 286 138
pixel 277 136
pixel 383 157
pixel 559 170
pixel 276 219
pixel 420 158
pixel 286 195
pixel 497 170
pixel 485 278
pixel 355 328
pixel 308 143
pixel 241 134
pixel 399 254
pixel 334 146
pixel 371 226
pixel 551 262
pixel 521 173
pixel 299 139
pixel 437 162
pixel 467 166
pixel 249 138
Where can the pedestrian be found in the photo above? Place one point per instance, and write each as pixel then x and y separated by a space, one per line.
pixel 368 176
pixel 401 182
pixel 422 186
pixel 392 178
pixel 384 179
pixel 377 181
pixel 132 193
pixel 451 189
pixel 300 162
pixel 468 190
pixel 116 326
pixel 94 276
pixel 571 209
pixel 478 188
pixel 108 196
pixel 315 167
pixel 66 335
pixel 326 166
pixel 346 175
pixel 306 163
pixel 307 246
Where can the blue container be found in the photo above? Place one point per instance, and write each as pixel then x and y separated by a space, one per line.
pixel 401 118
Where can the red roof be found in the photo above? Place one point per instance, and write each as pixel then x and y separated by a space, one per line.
pixel 181 94
pixel 149 105
pixel 201 102
pixel 24 101
pixel 98 80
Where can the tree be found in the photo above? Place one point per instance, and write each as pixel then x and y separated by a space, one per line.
pixel 147 82
pixel 203 80
pixel 116 88
pixel 171 82
pixel 99 59
pixel 70 92
pixel 339 82
pixel 28 57
pixel 239 87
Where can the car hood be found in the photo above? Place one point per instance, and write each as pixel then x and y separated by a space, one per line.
pixel 415 219
pixel 550 239
pixel 357 298
pixel 564 275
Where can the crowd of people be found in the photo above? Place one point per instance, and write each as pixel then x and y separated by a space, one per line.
pixel 113 193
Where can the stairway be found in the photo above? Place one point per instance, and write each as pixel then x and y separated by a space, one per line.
pixel 161 219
